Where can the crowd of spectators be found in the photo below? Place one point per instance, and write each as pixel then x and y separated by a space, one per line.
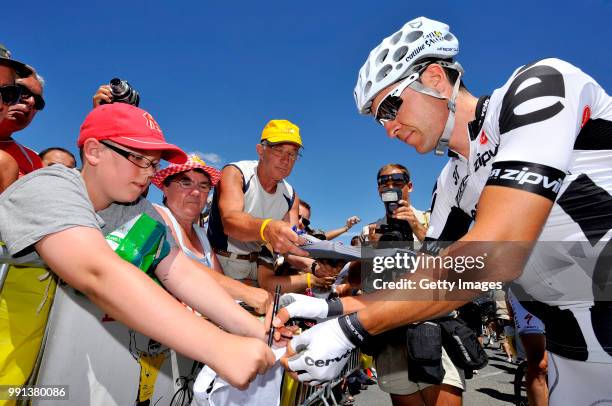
pixel 242 252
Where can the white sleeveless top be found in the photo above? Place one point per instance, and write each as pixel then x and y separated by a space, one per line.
pixel 257 202
pixel 200 232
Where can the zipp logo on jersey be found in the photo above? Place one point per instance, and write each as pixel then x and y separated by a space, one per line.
pixel 323 363
pixel 540 179
pixel 484 158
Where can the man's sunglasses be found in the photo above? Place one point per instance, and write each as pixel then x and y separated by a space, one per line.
pixel 10 94
pixel 390 105
pixel 39 102
pixel 395 178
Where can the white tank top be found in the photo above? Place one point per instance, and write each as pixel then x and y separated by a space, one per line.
pixel 200 232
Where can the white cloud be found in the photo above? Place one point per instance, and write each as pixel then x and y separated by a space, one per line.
pixel 210 157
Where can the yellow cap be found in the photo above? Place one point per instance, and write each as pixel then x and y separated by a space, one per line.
pixel 281 131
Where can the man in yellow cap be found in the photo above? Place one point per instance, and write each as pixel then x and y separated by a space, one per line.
pixel 253 204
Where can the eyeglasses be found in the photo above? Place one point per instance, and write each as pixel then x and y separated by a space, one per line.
pixel 39 102
pixel 138 160
pixel 390 105
pixel 10 94
pixel 186 183
pixel 278 151
pixel 396 179
pixel 305 221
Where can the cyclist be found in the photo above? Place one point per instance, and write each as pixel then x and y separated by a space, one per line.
pixel 531 333
pixel 532 160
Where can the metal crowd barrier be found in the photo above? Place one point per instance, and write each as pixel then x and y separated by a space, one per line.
pixel 309 395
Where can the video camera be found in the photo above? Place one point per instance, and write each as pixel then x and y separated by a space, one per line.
pixel 395 229
pixel 122 92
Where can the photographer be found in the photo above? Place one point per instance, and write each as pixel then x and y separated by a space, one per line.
pixel 404 219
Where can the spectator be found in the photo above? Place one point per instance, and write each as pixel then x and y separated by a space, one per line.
pixel 304 222
pixel 397 176
pixel 57 155
pixel 58 214
pixel 15 110
pixel 254 204
pixel 186 189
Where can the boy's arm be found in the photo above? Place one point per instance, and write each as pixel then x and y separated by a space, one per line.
pixel 82 257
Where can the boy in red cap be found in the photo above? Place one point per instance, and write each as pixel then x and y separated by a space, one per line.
pixel 60 214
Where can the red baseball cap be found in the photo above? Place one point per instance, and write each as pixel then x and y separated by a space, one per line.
pixel 131 127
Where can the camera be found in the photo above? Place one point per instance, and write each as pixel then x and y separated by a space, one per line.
pixel 394 230
pixel 122 92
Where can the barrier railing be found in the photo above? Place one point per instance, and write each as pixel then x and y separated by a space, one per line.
pixel 309 395
pixel 305 395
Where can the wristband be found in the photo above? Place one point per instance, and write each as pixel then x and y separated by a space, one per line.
pixel 354 331
pixel 262 228
pixel 308 283
pixel 334 307
pixel 312 268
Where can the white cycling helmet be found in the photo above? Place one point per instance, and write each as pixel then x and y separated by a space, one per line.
pixel 401 55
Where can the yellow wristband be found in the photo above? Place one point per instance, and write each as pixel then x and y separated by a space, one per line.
pixel 308 282
pixel 262 228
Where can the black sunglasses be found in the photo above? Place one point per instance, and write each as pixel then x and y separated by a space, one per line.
pixel 305 221
pixel 393 178
pixel 10 94
pixel 39 102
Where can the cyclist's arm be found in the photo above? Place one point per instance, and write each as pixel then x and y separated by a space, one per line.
pixel 504 214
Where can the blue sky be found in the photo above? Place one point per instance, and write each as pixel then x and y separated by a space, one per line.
pixel 213 74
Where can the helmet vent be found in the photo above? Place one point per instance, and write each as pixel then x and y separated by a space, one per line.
pixel 399 66
pixel 413 36
pixel 396 37
pixel 367 69
pixel 449 37
pixel 383 72
pixel 399 53
pixel 382 56
pixel 368 86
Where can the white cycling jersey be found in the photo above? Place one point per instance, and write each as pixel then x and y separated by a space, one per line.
pixel 548 131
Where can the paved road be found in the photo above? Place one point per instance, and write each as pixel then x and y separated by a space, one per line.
pixel 491 387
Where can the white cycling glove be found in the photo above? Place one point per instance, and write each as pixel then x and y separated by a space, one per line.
pixel 323 350
pixel 309 307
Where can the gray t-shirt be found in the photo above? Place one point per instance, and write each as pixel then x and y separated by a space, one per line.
pixel 54 199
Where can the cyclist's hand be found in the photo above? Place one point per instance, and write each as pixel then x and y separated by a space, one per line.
pixel 307 307
pixel 318 354
pixel 103 94
pixel 283 239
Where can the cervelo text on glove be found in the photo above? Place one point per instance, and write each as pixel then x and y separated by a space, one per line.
pixel 310 307
pixel 354 331
pixel 322 353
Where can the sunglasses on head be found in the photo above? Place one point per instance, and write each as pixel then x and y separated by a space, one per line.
pixel 395 178
pixel 39 102
pixel 10 94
